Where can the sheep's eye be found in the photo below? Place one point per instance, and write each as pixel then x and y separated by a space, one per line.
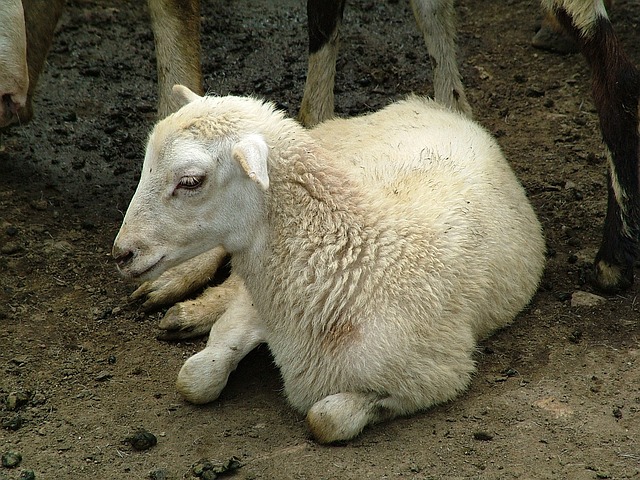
pixel 190 182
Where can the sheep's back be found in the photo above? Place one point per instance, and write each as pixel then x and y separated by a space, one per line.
pixel 427 169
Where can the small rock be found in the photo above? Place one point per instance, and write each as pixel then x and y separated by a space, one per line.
pixel 103 376
pixel 16 400
pixel 78 163
pixel 39 204
pixel 19 360
pixel 142 440
pixel 10 248
pixel 11 422
pixel 586 299
pixel 27 475
pixel 160 474
pixel 11 459
pixel 482 436
pixel 575 336
pixel 207 470
pixel 38 398
pixel 70 116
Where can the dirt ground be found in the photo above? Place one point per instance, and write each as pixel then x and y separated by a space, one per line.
pixel 556 395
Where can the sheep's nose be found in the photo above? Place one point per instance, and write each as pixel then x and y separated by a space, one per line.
pixel 122 256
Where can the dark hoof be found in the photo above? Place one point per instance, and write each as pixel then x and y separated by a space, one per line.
pixel 610 278
pixel 552 41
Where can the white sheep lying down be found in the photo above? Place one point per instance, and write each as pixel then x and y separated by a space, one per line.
pixel 370 253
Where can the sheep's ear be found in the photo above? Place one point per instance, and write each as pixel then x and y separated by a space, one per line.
pixel 251 153
pixel 183 95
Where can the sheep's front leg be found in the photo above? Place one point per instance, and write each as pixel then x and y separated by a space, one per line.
pixel 194 318
pixel 179 282
pixel 342 416
pixel 232 337
pixel 436 20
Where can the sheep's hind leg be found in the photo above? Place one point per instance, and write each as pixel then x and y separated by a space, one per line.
pixel 436 20
pixel 238 331
pixel 194 318
pixel 181 281
pixel 343 416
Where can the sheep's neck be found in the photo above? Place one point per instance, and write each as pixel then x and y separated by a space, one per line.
pixel 318 236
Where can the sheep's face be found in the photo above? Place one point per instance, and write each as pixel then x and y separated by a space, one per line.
pixel 194 194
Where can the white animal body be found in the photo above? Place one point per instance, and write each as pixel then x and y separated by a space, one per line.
pixel 370 254
pixel 14 76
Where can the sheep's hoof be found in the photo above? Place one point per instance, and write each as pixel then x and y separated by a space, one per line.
pixel 161 291
pixel 181 323
pixel 611 278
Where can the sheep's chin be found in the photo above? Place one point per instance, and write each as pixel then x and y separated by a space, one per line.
pixel 149 271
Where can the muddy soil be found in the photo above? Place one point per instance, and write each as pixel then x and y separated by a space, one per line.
pixel 556 395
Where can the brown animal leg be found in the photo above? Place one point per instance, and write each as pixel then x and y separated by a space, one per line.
pixel 176 31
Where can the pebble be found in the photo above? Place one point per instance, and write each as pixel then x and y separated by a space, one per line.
pixel 10 248
pixel 38 204
pixel 160 474
pixel 27 475
pixel 16 400
pixel 207 470
pixel 103 375
pixel 482 436
pixel 11 459
pixel 142 440
pixel 586 299
pixel 11 422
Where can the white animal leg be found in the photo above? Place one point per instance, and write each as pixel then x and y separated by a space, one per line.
pixel 177 283
pixel 342 416
pixel 232 337
pixel 194 318
pixel 436 20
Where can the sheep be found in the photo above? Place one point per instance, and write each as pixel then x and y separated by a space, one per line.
pixel 14 77
pixel 370 254
pixel 615 90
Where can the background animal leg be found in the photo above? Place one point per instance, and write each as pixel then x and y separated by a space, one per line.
pixel 616 89
pixel 41 18
pixel 436 20
pixel 176 31
pixel 324 19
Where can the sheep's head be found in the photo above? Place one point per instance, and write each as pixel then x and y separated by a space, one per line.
pixel 200 187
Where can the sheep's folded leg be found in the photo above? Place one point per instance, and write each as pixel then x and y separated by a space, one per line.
pixel 238 331
pixel 342 416
pixel 194 318
pixel 179 282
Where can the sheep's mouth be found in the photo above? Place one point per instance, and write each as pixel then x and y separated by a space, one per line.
pixel 144 274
